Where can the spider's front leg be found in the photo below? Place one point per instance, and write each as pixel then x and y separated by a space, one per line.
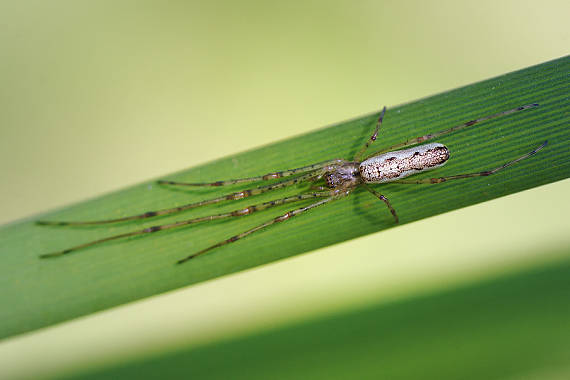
pixel 330 196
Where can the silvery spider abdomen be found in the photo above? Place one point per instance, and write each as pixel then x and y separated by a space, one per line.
pixel 395 165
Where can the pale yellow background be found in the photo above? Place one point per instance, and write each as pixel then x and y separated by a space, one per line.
pixel 96 96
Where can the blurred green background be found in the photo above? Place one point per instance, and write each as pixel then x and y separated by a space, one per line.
pixel 97 96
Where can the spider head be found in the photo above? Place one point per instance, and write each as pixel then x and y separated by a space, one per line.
pixel 345 176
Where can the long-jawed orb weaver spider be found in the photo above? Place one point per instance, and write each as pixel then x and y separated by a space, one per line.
pixel 340 176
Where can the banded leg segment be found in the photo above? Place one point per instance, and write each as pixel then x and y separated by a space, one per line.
pixel 281 218
pixel 372 138
pixel 421 139
pixel 150 214
pixel 479 174
pixel 236 213
pixel 265 177
pixel 383 199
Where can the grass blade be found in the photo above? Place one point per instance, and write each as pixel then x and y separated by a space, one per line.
pixel 43 292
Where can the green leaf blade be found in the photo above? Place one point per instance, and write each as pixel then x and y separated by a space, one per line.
pixel 43 292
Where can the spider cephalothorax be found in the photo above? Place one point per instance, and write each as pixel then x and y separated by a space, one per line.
pixel 345 176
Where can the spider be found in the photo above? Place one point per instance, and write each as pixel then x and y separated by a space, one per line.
pixel 340 177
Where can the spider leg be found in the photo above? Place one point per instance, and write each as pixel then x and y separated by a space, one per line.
pixel 332 196
pixel 383 199
pixel 167 211
pixel 479 174
pixel 431 136
pixel 241 212
pixel 372 138
pixel 266 177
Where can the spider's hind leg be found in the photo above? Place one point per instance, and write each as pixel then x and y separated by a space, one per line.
pixel 431 136
pixel 470 175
